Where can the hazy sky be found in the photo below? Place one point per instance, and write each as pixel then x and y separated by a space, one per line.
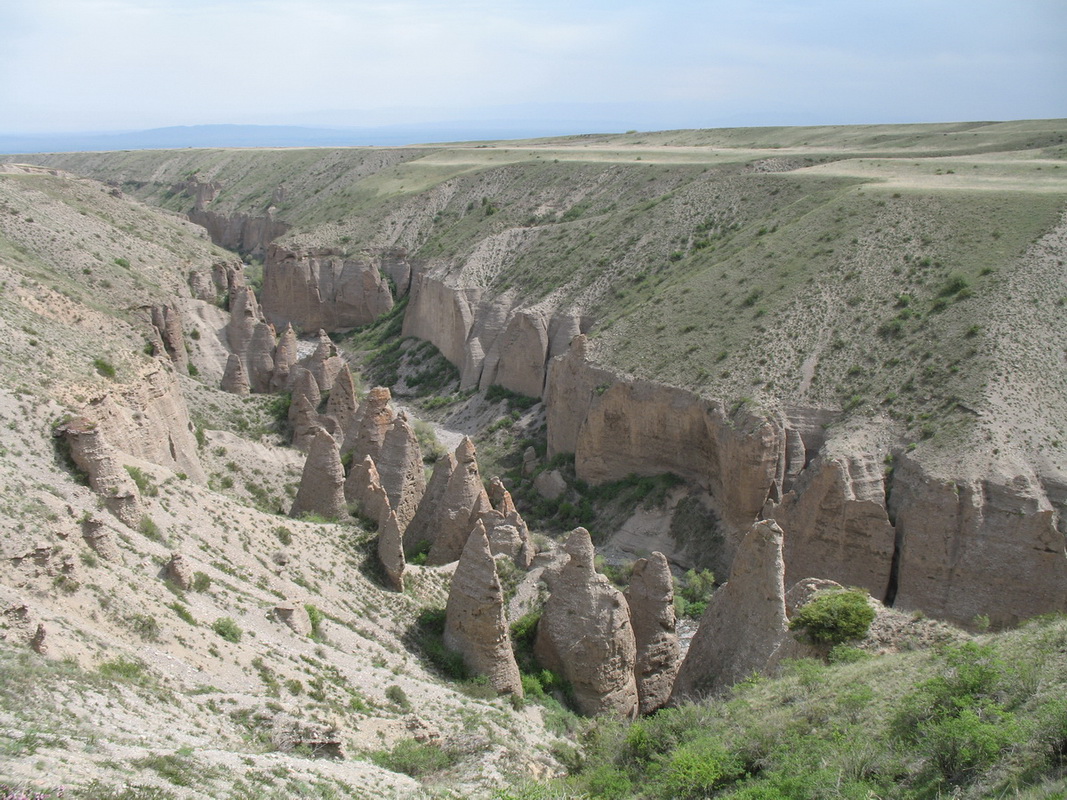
pixel 605 64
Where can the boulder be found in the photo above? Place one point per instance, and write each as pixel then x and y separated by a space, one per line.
pixel 179 572
pixel 235 378
pixel 475 623
pixel 391 551
pixel 585 634
pixel 462 504
pixel 100 539
pixel 321 489
pixel 650 597
pixel 550 484
pixel 745 620
pixel 295 616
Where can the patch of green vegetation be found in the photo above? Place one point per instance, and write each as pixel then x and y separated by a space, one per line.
pixel 227 629
pixel 834 617
pixel 415 758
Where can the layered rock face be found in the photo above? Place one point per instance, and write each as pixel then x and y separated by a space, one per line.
pixel 461 506
pixel 505 527
pixel 97 458
pixel 363 487
pixel 422 530
pixel 585 634
pixel 650 597
pixel 475 623
pixel 391 551
pixel 492 340
pixel 371 424
pixel 322 483
pixel 980 545
pixel 235 378
pixel 168 323
pixel 836 515
pixel 148 419
pixel 744 622
pixel 321 289
pixel 399 464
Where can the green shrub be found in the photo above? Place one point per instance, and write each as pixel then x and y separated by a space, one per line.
pixel 414 758
pixel 696 769
pixel 201 582
pixel 692 593
pixel 145 626
pixel 835 617
pixel 227 629
pixel 104 367
pixel 396 695
pixel 145 484
pixel 148 527
pixel 316 618
pixel 183 613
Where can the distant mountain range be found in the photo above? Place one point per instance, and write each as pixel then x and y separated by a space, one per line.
pixel 282 136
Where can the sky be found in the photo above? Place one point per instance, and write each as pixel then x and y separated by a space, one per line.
pixel 595 65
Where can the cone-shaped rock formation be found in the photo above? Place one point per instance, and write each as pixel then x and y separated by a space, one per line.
pixel 745 619
pixel 585 634
pixel 462 505
pixel 322 484
pixel 475 623
pixel 651 600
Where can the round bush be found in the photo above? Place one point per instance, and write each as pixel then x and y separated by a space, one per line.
pixel 835 617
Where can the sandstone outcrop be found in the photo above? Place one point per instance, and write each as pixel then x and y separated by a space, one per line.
pixel 836 523
pixel 319 288
pixel 304 422
pixel 391 551
pixel 294 616
pixel 461 506
pixel 259 358
pixel 168 323
pixel 363 487
pixel 489 339
pixel 372 423
pixel 324 363
pixel 342 404
pixel 321 489
pixel 507 531
pixel 650 597
pixel 179 571
pixel 399 463
pixel 475 623
pixel 422 529
pixel 148 419
pixel 285 358
pixel 586 636
pixel 245 233
pixel 244 316
pixel 518 356
pixel 745 620
pixel 100 539
pixel 977 542
pixel 93 454
pixel 235 378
